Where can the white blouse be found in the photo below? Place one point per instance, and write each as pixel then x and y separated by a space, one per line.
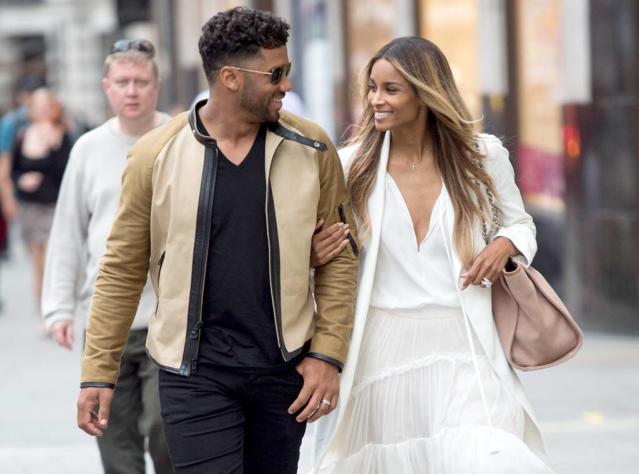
pixel 411 276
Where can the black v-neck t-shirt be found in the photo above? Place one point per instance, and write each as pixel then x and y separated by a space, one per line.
pixel 238 323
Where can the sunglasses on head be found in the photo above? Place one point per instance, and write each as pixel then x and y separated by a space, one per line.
pixel 142 45
pixel 277 73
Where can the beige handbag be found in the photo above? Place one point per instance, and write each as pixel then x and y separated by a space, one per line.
pixel 534 326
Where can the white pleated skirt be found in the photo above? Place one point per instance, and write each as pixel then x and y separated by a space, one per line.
pixel 416 406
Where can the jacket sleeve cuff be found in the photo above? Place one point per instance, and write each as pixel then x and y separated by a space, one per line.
pixel 326 358
pixel 97 384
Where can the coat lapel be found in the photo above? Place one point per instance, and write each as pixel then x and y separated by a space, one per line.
pixel 477 306
pixel 473 299
pixel 325 429
pixel 272 142
pixel 367 270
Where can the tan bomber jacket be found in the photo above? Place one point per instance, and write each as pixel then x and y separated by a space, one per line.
pixel 162 227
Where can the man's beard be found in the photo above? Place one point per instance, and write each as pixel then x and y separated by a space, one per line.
pixel 255 105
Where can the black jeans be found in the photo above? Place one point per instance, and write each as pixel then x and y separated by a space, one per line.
pixel 222 420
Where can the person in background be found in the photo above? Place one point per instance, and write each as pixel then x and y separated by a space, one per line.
pixel 37 163
pixel 427 387
pixel 86 208
pixel 13 124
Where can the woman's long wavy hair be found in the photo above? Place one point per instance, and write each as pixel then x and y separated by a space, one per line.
pixel 454 139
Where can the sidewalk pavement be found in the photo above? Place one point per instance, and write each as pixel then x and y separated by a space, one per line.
pixel 38 387
pixel 587 407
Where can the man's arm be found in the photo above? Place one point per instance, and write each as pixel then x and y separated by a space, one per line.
pixel 335 285
pixel 335 281
pixel 122 275
pixel 67 241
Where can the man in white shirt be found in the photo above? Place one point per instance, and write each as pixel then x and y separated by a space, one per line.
pixel 85 210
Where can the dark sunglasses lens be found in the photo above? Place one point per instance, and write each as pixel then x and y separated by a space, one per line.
pixel 124 45
pixel 278 72
pixel 276 75
pixel 142 45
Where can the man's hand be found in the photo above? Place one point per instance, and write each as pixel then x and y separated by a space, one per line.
pixel 94 399
pixel 490 262
pixel 321 385
pixel 63 333
pixel 328 243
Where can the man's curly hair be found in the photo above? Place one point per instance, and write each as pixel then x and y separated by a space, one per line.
pixel 237 34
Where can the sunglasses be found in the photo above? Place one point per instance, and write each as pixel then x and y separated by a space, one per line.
pixel 276 73
pixel 142 45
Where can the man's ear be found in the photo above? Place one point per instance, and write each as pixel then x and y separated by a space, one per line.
pixel 229 78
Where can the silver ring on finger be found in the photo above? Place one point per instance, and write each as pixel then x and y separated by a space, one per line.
pixel 326 402
pixel 486 283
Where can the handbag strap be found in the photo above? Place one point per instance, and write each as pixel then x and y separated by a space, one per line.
pixel 494 209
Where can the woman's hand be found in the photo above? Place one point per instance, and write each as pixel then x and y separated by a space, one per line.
pixel 328 243
pixel 490 263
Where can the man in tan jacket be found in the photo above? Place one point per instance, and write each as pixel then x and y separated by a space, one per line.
pixel 220 206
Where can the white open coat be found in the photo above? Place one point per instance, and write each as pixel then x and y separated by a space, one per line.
pixel 476 302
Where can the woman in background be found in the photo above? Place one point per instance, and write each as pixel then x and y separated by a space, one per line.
pixel 38 161
pixel 427 387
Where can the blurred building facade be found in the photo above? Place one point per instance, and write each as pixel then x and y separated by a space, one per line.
pixel 557 80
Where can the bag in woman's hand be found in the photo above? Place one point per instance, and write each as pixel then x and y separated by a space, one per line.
pixel 534 326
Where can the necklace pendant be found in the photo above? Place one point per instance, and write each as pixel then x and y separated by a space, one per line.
pixel 413 165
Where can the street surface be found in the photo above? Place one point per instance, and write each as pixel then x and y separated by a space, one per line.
pixel 588 407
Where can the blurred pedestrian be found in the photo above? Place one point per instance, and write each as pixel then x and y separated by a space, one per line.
pixel 427 387
pixel 12 124
pixel 37 163
pixel 209 206
pixel 86 208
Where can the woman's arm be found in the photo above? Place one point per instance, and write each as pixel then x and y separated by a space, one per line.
pixel 516 224
pixel 516 236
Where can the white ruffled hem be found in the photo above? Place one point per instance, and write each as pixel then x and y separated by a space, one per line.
pixel 463 450
pixel 412 366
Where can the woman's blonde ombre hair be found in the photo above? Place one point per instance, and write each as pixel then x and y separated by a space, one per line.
pixel 448 122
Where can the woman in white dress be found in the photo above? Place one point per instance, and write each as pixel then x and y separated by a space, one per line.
pixel 426 387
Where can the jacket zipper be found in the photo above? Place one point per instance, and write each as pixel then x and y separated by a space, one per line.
pixel 351 240
pixel 195 333
pixel 270 272
pixel 207 234
pixel 160 262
